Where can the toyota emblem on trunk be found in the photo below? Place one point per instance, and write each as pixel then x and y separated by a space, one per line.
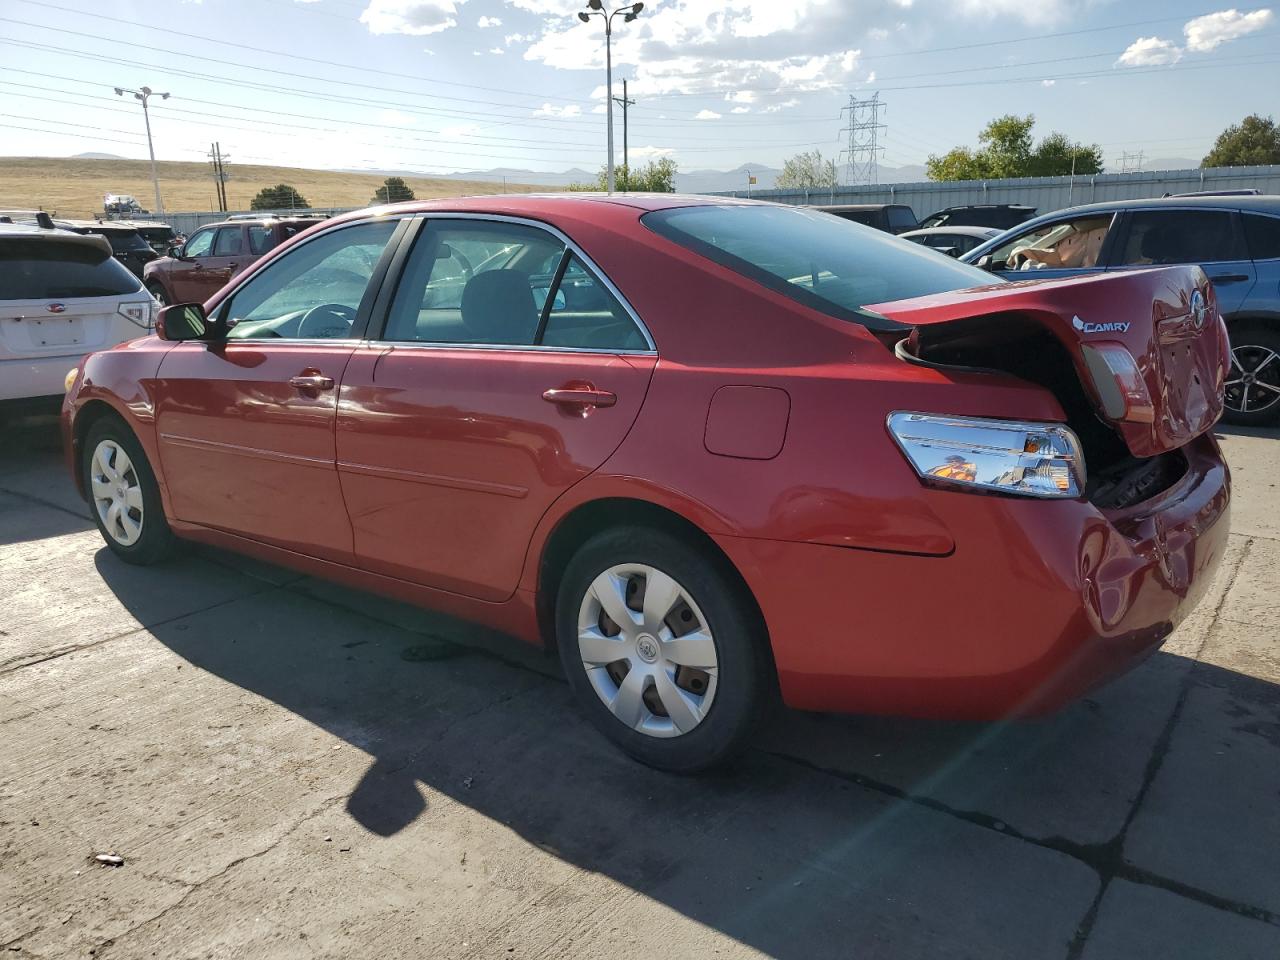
pixel 56 307
pixel 1199 310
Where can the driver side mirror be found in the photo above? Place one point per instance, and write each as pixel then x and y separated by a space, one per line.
pixel 984 262
pixel 183 321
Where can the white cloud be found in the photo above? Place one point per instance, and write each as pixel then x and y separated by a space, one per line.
pixel 1047 83
pixel 599 108
pixel 740 110
pixel 1207 32
pixel 548 110
pixel 485 23
pixel 878 33
pixel 414 17
pixel 741 96
pixel 784 105
pixel 1150 52
pixel 651 153
pixel 538 6
pixel 511 38
pixel 871 77
pixel 707 115
pixel 497 50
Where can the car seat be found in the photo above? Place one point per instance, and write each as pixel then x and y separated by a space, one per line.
pixel 498 307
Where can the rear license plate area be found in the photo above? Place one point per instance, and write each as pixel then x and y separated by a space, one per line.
pixel 60 332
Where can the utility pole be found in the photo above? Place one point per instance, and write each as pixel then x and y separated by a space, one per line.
pixel 862 130
pixel 624 103
pixel 216 158
pixel 142 96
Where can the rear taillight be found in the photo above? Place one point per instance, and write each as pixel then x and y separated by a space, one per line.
pixel 139 314
pixel 1118 382
pixel 1003 456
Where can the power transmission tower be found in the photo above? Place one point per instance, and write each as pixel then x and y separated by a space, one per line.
pixel 1131 162
pixel 216 158
pixel 624 103
pixel 862 130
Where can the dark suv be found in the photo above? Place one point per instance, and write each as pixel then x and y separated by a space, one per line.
pixel 127 245
pixel 214 254
pixel 1236 239
pixel 889 217
pixel 1002 216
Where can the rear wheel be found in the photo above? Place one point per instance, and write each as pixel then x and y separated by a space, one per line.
pixel 663 649
pixel 124 496
pixel 157 291
pixel 1253 385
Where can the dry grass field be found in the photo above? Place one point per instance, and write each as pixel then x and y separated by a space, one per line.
pixel 74 187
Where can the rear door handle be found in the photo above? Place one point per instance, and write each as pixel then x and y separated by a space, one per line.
pixel 311 381
pixel 584 396
pixel 1230 278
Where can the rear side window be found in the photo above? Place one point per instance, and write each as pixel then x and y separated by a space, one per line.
pixel 228 242
pixel 819 260
pixel 1263 236
pixel 1180 236
pixel 259 240
pixel 900 219
pixel 48 270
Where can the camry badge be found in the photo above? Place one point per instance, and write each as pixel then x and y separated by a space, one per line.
pixel 1099 327
pixel 56 307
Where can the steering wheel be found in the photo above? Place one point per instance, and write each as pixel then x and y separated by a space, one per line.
pixel 328 321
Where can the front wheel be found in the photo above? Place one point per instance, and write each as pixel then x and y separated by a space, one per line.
pixel 1253 385
pixel 663 648
pixel 124 496
pixel 158 293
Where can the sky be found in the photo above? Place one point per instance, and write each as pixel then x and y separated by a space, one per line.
pixel 436 86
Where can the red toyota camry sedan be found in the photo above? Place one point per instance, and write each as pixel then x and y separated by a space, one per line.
pixel 713 451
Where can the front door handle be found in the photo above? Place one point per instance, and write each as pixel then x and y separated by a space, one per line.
pixel 584 395
pixel 311 381
pixel 1230 278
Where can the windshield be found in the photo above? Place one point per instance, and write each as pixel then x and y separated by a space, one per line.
pixel 122 241
pixel 824 262
pixel 48 270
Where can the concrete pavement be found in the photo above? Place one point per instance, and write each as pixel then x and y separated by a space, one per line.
pixel 292 769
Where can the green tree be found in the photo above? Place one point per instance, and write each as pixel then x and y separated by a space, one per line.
pixel 657 176
pixel 1008 150
pixel 1253 142
pixel 280 197
pixel 807 171
pixel 393 190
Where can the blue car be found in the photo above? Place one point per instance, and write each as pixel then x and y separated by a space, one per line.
pixel 1236 239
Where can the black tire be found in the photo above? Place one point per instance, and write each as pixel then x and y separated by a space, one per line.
pixel 156 542
pixel 745 690
pixel 1250 344
pixel 157 291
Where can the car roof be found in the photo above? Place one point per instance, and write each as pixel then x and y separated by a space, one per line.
pixel 29 231
pixel 857 207
pixel 1258 204
pixel 985 206
pixel 94 224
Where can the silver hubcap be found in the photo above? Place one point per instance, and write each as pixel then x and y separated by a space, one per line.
pixel 647 650
pixel 1254 383
pixel 117 493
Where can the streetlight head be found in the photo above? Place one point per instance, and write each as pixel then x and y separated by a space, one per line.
pixel 147 91
pixel 628 18
pixel 595 4
pixel 119 91
pixel 164 96
pixel 636 8
pixel 584 17
pixel 138 96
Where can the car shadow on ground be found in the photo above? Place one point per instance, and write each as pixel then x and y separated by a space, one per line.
pixel 835 837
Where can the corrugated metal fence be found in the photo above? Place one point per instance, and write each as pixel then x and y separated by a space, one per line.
pixel 1046 194
pixel 187 222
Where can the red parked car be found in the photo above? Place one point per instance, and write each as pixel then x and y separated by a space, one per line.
pixel 713 450
pixel 212 255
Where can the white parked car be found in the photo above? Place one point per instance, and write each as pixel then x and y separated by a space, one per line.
pixel 62 295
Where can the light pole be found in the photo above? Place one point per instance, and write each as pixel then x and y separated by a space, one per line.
pixel 143 95
pixel 595 8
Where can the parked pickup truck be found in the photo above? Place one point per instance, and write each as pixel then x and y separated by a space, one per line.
pixel 214 254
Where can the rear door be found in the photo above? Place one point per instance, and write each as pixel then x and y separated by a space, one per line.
pixel 1214 239
pixel 246 420
pixel 508 370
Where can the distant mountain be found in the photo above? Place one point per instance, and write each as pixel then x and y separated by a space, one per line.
pixel 97 156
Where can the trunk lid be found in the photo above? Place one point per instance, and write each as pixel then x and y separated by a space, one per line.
pixel 1148 347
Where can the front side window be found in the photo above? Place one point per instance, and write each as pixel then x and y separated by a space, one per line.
pixel 1180 236
pixel 1263 236
pixel 1074 244
pixel 313 291
pixel 822 261
pixel 199 245
pixel 228 242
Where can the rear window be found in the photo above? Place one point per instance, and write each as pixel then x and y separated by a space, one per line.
pixel 901 219
pixel 48 270
pixel 124 241
pixel 822 261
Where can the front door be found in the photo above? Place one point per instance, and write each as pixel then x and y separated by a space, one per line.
pixel 1065 247
pixel 186 273
pixel 246 420
pixel 507 372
